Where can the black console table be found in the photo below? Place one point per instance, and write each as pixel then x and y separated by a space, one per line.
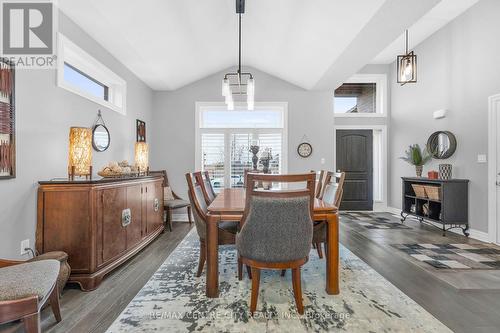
pixel 451 210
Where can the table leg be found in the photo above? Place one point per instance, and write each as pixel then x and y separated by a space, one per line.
pixel 332 254
pixel 212 256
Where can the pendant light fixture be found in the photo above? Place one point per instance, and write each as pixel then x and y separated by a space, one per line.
pixel 407 65
pixel 239 83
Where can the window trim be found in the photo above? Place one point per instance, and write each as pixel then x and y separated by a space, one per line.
pixel 380 81
pixel 203 106
pixel 74 56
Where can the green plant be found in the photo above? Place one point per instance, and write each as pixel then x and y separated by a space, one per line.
pixel 415 155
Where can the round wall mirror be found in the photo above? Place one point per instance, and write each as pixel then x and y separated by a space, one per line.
pixel 442 144
pixel 100 138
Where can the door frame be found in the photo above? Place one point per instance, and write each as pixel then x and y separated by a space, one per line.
pixel 378 205
pixel 493 114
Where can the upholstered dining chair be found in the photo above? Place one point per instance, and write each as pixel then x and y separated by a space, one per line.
pixel 332 193
pixel 276 231
pixel 227 230
pixel 171 200
pixel 24 290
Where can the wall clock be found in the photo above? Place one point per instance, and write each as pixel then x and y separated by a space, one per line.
pixel 304 149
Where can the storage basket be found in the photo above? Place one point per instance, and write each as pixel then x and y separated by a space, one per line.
pixel 433 192
pixel 419 190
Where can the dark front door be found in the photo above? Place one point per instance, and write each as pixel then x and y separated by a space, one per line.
pixel 355 158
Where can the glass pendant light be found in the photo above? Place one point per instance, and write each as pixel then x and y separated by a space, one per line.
pixel 407 65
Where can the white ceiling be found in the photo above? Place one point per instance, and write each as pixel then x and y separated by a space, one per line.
pixel 435 19
pixel 171 43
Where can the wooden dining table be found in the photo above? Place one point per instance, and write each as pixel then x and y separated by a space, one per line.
pixel 229 205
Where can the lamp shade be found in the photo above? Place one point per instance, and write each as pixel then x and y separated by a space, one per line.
pixel 142 156
pixel 80 151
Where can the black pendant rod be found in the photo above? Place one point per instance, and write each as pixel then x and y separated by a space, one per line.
pixel 239 47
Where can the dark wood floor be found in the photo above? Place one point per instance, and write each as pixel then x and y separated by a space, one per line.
pixel 462 310
pixel 95 311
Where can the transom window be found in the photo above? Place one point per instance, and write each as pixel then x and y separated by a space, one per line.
pixel 224 138
pixel 363 95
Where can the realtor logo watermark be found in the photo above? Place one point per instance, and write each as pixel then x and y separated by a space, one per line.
pixel 28 33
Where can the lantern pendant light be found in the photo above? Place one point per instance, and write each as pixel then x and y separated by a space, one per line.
pixel 407 65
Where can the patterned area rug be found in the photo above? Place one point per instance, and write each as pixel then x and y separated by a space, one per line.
pixel 374 220
pixel 174 300
pixel 454 256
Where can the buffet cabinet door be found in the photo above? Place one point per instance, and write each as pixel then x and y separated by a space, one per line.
pixel 111 214
pixel 154 206
pixel 134 203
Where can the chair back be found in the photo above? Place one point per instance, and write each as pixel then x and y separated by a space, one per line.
pixel 198 202
pixel 277 225
pixel 320 182
pixel 206 185
pixel 334 189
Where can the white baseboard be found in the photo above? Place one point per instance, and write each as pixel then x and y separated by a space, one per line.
pixel 473 233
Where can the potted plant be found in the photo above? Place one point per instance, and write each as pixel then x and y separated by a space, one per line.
pixel 415 156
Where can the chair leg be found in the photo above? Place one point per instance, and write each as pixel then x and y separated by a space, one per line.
pixel 297 289
pixel 169 218
pixel 283 272
pixel 320 250
pixel 32 323
pixel 255 289
pixel 54 303
pixel 203 256
pixel 249 271
pixel 189 214
pixel 240 269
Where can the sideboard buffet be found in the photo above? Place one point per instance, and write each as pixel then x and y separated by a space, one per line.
pixel 99 223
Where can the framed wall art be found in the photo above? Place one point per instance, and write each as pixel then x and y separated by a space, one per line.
pixel 141 131
pixel 7 120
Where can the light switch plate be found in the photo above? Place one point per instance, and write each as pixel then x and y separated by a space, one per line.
pixel 322 160
pixel 481 158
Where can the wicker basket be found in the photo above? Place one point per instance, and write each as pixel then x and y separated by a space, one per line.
pixel 419 190
pixel 433 192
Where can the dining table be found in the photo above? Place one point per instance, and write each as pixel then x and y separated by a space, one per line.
pixel 229 205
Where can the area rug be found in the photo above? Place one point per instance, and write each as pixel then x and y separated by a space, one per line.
pixel 174 300
pixel 374 220
pixel 454 256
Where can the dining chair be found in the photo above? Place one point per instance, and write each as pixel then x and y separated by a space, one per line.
pixel 227 230
pixel 25 288
pixel 206 185
pixel 171 200
pixel 320 182
pixel 332 193
pixel 276 230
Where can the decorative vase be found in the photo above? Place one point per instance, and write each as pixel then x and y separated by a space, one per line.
pixel 419 169
pixel 254 149
pixel 445 171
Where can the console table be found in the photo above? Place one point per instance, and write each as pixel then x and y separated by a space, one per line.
pixel 450 211
pixel 98 223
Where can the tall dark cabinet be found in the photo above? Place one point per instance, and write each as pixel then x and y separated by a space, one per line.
pixel 450 210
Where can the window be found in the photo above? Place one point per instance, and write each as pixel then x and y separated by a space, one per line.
pixel 82 74
pixel 362 95
pixel 224 137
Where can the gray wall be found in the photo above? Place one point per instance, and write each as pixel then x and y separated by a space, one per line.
pixel 309 113
pixel 44 114
pixel 458 69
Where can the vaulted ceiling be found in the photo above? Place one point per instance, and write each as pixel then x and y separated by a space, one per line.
pixel 313 44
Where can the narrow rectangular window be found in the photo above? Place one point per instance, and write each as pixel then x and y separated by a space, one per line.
pixel 79 79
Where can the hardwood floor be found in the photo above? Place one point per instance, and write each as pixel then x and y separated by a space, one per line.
pixel 449 299
pixel 461 309
pixel 95 311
